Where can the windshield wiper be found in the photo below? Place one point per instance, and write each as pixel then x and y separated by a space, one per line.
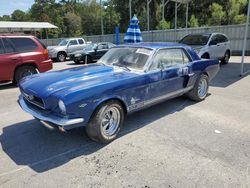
pixel 122 66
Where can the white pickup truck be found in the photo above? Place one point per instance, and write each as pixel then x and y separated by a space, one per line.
pixel 65 48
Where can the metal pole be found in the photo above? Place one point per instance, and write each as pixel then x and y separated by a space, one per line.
pixel 148 2
pixel 245 41
pixel 186 17
pixel 175 22
pixel 163 9
pixel 47 37
pixel 130 9
pixel 101 18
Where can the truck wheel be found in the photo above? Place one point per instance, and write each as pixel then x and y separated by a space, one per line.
pixel 226 58
pixel 61 56
pixel 106 122
pixel 200 90
pixel 24 71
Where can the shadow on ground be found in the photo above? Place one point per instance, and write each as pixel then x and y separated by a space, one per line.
pixel 29 143
pixel 229 74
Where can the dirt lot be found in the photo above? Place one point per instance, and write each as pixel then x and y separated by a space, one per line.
pixel 178 143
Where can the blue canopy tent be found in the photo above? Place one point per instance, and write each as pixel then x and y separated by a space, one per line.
pixel 133 34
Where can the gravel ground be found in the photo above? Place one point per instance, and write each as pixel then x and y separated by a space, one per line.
pixel 178 143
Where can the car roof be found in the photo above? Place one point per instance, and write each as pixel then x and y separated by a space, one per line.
pixel 154 45
pixel 207 33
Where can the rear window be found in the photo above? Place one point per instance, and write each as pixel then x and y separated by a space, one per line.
pixel 1 47
pixel 80 41
pixel 8 46
pixel 24 44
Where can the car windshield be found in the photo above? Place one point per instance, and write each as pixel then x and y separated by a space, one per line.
pixel 63 42
pixel 90 47
pixel 195 39
pixel 127 58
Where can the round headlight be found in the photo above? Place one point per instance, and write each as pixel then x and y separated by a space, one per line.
pixel 62 107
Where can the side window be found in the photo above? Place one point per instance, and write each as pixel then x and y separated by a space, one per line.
pixel 73 42
pixel 222 38
pixel 1 47
pixel 215 40
pixel 23 44
pixel 102 46
pixel 80 41
pixel 168 58
pixel 8 47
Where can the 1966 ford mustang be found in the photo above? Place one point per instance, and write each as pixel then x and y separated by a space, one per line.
pixel 126 79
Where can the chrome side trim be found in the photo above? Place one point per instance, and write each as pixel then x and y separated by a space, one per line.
pixel 49 118
pixel 144 104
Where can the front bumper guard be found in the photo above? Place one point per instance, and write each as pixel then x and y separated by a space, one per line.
pixel 51 118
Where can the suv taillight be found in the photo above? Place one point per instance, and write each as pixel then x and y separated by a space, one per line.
pixel 46 53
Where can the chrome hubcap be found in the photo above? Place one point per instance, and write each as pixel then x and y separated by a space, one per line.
pixel 110 121
pixel 202 88
pixel 61 57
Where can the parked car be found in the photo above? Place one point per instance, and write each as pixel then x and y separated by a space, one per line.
pixel 65 48
pixel 126 79
pixel 91 53
pixel 210 45
pixel 21 56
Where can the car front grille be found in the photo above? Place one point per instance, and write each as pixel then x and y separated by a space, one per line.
pixel 33 100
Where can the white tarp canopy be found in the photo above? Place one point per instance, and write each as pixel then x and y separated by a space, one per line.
pixel 9 26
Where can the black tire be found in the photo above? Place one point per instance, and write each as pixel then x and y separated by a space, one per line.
pixel 77 62
pixel 194 93
pixel 226 58
pixel 94 128
pixel 61 56
pixel 205 56
pixel 23 71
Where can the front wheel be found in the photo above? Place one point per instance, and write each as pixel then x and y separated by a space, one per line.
pixel 226 58
pixel 61 56
pixel 106 122
pixel 200 90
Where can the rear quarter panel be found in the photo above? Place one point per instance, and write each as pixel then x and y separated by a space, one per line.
pixel 207 66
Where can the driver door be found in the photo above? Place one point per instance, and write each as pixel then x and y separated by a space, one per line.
pixel 72 46
pixel 214 47
pixel 174 72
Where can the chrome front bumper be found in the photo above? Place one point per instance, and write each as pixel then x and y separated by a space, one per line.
pixel 48 117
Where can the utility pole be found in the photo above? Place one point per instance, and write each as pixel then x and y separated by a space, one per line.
pixel 101 18
pixel 130 9
pixel 148 2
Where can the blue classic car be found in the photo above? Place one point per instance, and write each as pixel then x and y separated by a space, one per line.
pixel 126 79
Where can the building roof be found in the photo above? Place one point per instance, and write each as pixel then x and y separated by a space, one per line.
pixel 8 26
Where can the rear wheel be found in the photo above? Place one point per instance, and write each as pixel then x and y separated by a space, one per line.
pixel 61 56
pixel 24 71
pixel 106 122
pixel 200 90
pixel 226 58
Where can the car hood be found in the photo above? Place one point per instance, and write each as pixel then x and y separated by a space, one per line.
pixel 55 47
pixel 71 80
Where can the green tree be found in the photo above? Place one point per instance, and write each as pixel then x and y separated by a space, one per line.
pixel 163 24
pixel 73 23
pixel 194 21
pixel 217 14
pixel 19 15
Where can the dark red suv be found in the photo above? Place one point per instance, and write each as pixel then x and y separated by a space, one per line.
pixel 21 56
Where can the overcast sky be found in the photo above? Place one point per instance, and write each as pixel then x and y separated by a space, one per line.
pixel 8 6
